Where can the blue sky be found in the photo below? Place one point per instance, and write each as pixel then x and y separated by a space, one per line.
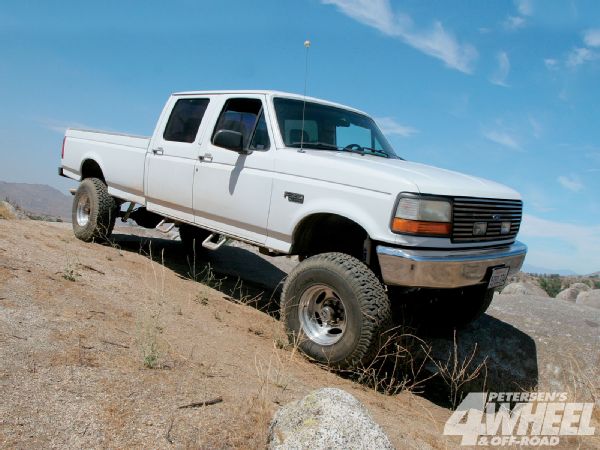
pixel 505 90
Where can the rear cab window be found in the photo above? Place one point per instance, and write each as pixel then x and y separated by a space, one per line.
pixel 246 116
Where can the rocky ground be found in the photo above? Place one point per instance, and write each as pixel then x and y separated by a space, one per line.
pixel 105 345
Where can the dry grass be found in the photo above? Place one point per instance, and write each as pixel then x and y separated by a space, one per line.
pixel 457 373
pixel 214 345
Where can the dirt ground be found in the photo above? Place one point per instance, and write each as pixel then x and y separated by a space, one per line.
pixel 101 346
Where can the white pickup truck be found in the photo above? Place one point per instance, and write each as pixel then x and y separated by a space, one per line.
pixel 301 176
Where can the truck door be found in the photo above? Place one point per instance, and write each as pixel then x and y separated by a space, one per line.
pixel 232 189
pixel 172 158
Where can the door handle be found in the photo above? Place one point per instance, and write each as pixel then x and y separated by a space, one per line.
pixel 206 157
pixel 158 151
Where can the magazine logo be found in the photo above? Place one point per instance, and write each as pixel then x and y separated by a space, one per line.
pixel 534 419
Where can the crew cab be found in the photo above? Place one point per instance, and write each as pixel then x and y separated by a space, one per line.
pixel 295 175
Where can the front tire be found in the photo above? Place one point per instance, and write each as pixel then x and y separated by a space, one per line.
pixel 335 309
pixel 94 211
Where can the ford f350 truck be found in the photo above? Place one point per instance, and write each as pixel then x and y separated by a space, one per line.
pixel 295 175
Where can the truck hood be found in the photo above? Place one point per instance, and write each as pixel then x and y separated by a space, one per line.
pixel 392 175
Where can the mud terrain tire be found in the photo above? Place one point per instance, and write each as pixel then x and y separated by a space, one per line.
pixel 311 311
pixel 94 211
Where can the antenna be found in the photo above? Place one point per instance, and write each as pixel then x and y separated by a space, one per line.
pixel 307 47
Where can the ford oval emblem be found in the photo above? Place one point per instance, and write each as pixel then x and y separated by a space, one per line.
pixel 496 217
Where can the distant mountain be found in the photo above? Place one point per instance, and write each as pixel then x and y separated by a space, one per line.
pixel 544 270
pixel 38 199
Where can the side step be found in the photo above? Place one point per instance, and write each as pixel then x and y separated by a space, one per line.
pixel 210 243
pixel 160 227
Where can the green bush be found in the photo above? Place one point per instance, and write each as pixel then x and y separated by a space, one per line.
pixel 552 285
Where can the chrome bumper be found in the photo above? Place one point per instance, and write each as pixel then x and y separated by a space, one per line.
pixel 446 268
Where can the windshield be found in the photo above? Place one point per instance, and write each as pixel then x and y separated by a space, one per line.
pixel 329 128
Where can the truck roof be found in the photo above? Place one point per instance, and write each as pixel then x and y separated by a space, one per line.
pixel 270 93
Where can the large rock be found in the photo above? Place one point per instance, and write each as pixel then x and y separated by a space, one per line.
pixel 527 343
pixel 324 419
pixel 7 211
pixel 524 288
pixel 570 294
pixel 589 298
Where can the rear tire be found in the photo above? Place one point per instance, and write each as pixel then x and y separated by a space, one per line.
pixel 335 309
pixel 94 211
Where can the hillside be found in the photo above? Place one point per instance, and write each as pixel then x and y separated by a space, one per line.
pixel 37 199
pixel 101 346
pixel 544 270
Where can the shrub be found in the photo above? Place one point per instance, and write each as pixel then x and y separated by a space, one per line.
pixel 551 284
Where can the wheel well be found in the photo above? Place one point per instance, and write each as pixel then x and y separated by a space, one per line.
pixel 91 169
pixel 321 233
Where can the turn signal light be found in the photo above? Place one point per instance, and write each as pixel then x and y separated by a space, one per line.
pixel 421 227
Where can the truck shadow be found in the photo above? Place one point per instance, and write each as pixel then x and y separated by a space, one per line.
pixel 238 273
pixel 490 355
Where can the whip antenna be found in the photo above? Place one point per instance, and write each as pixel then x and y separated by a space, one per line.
pixel 307 47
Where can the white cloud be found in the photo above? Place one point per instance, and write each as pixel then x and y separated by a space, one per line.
pixel 536 127
pixel 525 7
pixel 502 138
pixel 591 37
pixel 571 183
pixel 61 126
pixel 551 63
pixel 514 22
pixel 583 241
pixel 594 156
pixel 499 76
pixel 579 55
pixel 389 126
pixel 435 41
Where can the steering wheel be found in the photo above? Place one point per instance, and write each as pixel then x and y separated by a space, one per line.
pixel 353 147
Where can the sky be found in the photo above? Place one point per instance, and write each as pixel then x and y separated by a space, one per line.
pixel 508 91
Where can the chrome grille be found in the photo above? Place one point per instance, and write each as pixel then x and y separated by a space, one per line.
pixel 470 210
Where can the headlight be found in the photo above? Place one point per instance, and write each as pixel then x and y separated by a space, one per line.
pixel 420 215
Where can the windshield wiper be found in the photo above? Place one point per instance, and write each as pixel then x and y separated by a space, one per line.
pixel 376 152
pixel 321 145
pixel 361 151
pixel 327 146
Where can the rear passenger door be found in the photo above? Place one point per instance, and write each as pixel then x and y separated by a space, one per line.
pixel 232 190
pixel 172 157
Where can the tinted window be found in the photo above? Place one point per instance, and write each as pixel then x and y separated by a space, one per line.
pixel 245 116
pixel 323 127
pixel 185 119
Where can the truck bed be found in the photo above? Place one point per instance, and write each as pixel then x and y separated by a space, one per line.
pixel 120 156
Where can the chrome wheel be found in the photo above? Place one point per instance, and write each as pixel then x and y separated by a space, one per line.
pixel 83 210
pixel 322 314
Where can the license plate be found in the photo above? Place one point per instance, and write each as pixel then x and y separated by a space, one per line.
pixel 498 277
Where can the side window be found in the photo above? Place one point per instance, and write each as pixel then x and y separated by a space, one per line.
pixel 245 115
pixel 185 119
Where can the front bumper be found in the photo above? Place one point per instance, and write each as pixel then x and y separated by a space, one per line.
pixel 446 268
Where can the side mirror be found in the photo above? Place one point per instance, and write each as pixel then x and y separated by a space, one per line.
pixel 229 139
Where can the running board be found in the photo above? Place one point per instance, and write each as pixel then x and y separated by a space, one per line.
pixel 166 229
pixel 211 245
